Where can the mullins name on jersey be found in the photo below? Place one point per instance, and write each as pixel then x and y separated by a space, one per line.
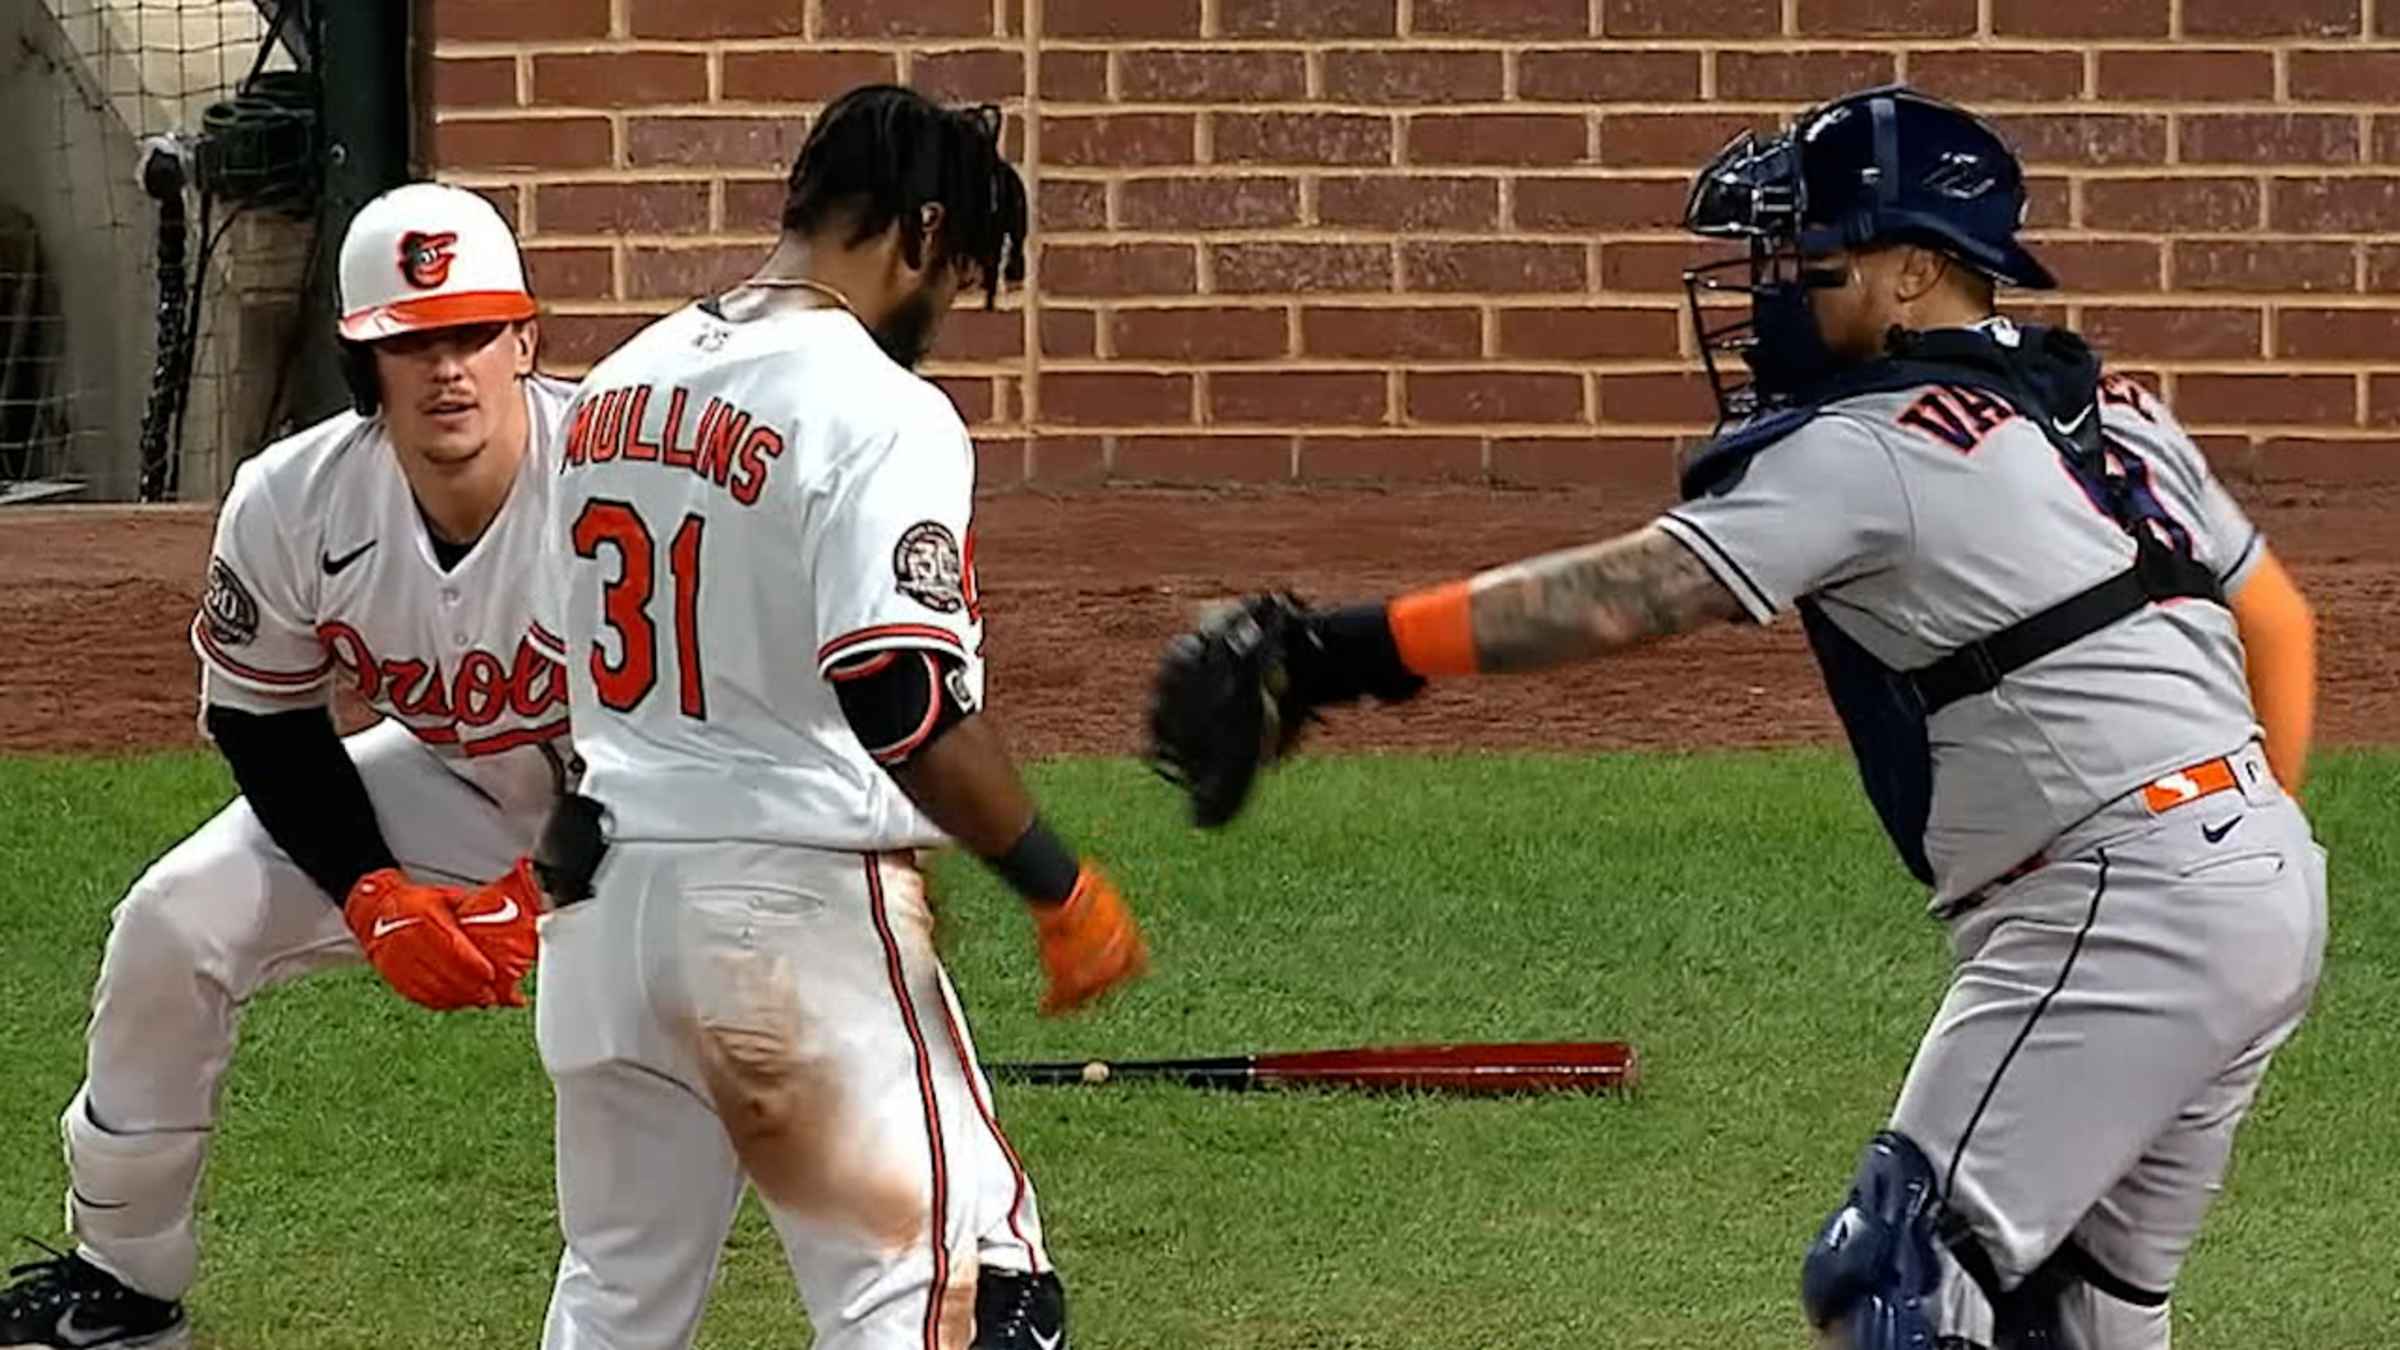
pixel 638 423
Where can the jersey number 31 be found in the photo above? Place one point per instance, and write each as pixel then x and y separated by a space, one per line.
pixel 625 602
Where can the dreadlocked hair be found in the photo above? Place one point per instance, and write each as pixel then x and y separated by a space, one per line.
pixel 882 152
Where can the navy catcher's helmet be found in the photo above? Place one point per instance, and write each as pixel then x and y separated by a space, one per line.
pixel 1886 165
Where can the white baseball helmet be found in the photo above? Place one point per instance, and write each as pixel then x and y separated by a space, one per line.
pixel 427 255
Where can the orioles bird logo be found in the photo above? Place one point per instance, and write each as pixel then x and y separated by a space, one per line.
pixel 425 258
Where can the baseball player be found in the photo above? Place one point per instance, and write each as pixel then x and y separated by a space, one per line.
pixel 2077 682
pixel 383 549
pixel 766 577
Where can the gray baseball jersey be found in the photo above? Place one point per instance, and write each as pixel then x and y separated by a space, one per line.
pixel 1927 519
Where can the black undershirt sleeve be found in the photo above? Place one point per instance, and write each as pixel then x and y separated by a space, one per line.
pixel 300 783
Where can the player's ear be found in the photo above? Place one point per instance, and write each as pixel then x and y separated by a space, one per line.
pixel 1917 271
pixel 528 337
pixel 930 220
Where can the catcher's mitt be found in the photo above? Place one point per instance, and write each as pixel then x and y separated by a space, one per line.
pixel 1234 696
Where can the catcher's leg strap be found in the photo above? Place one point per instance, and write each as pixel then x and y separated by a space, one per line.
pixel 1871 1276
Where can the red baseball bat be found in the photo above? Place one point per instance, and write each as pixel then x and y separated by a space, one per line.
pixel 1475 1070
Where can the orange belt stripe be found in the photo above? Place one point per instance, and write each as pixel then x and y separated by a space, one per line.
pixel 2186 786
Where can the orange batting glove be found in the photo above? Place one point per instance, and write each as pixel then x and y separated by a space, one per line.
pixel 1089 943
pixel 498 920
pixel 413 938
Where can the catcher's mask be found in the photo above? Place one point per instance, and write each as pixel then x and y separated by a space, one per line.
pixel 1882 166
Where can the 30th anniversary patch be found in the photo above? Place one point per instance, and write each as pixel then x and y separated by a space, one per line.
pixel 227 609
pixel 927 564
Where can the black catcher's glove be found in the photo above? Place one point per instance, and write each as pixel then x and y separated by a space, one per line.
pixel 1236 693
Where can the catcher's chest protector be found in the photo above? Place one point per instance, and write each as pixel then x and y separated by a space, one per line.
pixel 2052 383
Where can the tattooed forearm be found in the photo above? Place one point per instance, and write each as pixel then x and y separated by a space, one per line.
pixel 1583 602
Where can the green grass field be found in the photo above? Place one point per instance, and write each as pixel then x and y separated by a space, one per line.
pixel 382 1175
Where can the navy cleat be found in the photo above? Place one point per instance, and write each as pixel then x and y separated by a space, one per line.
pixel 67 1303
pixel 1016 1311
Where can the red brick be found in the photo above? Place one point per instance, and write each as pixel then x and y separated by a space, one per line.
pixel 1071 204
pixel 684 273
pixel 2096 139
pixel 2318 461
pixel 2383 268
pixel 1200 334
pixel 573 342
pixel 571 273
pixel 523 143
pixel 516 20
pixel 2243 265
pixel 2177 333
pixel 1119 18
pixel 1124 140
pixel 1243 459
pixel 474 81
pixel 1125 398
pixel 1497 138
pixel 754 204
pixel 1051 458
pixel 1974 73
pixel 2049 203
pixel 1599 75
pixel 1802 76
pixel 972 395
pixel 973 333
pixel 1354 397
pixel 732 142
pixel 2335 205
pixel 1119 269
pixel 2269 138
pixel 2284 18
pixel 888 18
pixel 1413 77
pixel 1070 332
pixel 2153 74
pixel 817 76
pixel 2080 19
pixel 1391 334
pixel 1676 140
pixel 2387 140
pixel 1074 77
pixel 2337 334
pixel 2383 400
pixel 2171 205
pixel 1229 76
pixel 1388 458
pixel 1585 334
pixel 2101 264
pixel 1496 267
pixel 2345 76
pixel 975 75
pixel 1681 399
pixel 622 208
pixel 504 201
pixel 1308 18
pixel 1410 203
pixel 1638 464
pixel 1646 265
pixel 1208 203
pixel 1000 461
pixel 1691 18
pixel 1301 138
pixel 1505 396
pixel 726 18
pixel 1600 204
pixel 2271 397
pixel 1887 18
pixel 619 79
pixel 1283 269
pixel 1504 18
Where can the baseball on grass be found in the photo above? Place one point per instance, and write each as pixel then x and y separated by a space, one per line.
pixel 1095 1072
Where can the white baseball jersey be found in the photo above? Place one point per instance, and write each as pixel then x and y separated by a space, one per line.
pixel 741 507
pixel 323 572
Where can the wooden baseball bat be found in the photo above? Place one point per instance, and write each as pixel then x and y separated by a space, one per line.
pixel 1474 1070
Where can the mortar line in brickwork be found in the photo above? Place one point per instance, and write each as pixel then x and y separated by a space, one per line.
pixel 812 17
pixel 1791 17
pixel 2175 19
pixel 1029 391
pixel 1404 19
pixel 618 24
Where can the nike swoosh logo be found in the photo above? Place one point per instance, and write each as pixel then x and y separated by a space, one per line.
pixel 387 927
pixel 2070 428
pixel 334 566
pixel 1049 1342
pixel 69 1333
pixel 507 912
pixel 2218 834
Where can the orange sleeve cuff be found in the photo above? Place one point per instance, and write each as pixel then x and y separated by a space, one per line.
pixel 1434 630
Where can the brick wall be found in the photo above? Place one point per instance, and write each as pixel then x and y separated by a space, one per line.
pixel 1417 238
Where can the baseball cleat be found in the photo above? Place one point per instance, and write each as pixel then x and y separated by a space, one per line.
pixel 1017 1311
pixel 67 1303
